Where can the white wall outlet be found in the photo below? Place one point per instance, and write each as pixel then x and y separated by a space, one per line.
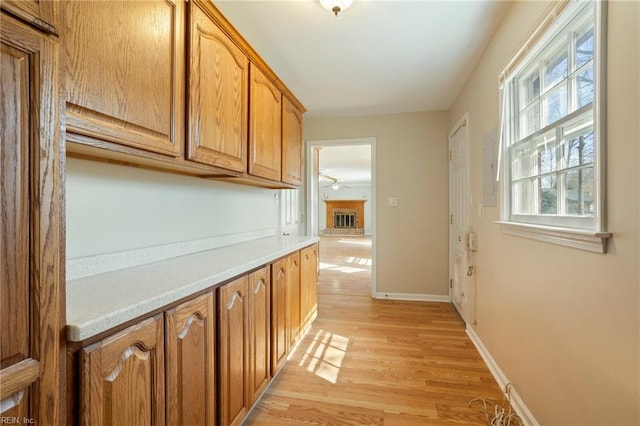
pixel 392 201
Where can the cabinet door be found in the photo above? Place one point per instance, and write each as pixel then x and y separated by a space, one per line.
pixel 293 299
pixel 265 123
pixel 30 235
pixel 278 314
pixel 190 359
pixel 291 143
pixel 218 93
pixel 125 72
pixel 122 377
pixel 308 283
pixel 260 335
pixel 233 324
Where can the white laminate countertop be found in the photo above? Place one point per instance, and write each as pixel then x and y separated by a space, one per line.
pixel 100 302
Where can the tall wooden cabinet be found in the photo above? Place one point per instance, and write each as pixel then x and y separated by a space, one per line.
pixel 265 131
pixel 124 64
pixel 122 378
pixel 31 248
pixel 218 94
pixel 190 362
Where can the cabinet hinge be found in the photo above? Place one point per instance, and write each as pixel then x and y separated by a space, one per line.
pixel 450 282
pixel 450 219
pixel 450 155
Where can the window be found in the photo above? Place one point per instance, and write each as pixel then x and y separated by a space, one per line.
pixel 552 131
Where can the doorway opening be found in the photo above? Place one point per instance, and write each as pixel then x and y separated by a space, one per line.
pixel 341 209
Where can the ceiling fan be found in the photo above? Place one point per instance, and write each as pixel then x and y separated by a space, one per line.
pixel 334 183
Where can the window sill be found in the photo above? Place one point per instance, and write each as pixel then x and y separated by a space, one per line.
pixel 583 240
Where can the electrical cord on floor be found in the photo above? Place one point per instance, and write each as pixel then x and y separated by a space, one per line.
pixel 501 416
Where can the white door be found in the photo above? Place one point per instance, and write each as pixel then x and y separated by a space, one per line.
pixel 458 216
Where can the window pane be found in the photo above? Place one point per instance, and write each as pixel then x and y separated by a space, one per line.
pixel 584 85
pixel 555 104
pixel 546 157
pixel 530 120
pixel 521 197
pixel 529 88
pixel 556 69
pixel 521 161
pixel 578 150
pixel 579 189
pixel 584 47
pixel 547 195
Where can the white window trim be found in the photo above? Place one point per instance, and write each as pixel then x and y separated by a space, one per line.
pixel 590 240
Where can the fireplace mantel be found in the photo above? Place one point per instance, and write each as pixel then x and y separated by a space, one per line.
pixel 345 217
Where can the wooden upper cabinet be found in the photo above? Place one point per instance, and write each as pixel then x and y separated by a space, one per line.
pixel 190 358
pixel 122 377
pixel 291 143
pixel 265 121
pixel 31 252
pixel 125 72
pixel 218 95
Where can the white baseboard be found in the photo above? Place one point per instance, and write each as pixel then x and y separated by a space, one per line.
pixel 516 402
pixel 411 296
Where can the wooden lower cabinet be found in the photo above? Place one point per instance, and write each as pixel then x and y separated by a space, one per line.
pixel 308 284
pixel 122 377
pixel 200 362
pixel 190 363
pixel 233 337
pixel 293 299
pixel 279 337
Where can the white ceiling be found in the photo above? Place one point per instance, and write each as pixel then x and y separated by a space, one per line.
pixel 347 164
pixel 377 57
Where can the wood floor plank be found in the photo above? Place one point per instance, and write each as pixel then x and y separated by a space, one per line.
pixel 376 362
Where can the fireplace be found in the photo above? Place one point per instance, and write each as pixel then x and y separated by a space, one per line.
pixel 345 217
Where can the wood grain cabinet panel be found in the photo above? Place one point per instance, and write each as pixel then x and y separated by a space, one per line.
pixel 293 299
pixel 291 143
pixel 278 314
pixel 308 284
pixel 233 333
pixel 218 93
pixel 190 359
pixel 122 377
pixel 125 63
pixel 40 14
pixel 260 334
pixel 31 295
pixel 265 124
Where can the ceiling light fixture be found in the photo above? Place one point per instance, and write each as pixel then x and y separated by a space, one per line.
pixel 335 186
pixel 336 6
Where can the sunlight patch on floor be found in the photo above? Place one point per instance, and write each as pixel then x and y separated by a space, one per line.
pixel 337 268
pixel 359 260
pixel 325 355
pixel 354 242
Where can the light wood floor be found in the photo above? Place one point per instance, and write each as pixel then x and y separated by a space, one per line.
pixel 375 362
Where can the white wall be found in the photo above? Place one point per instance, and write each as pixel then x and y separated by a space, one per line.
pixel 412 165
pixel 355 192
pixel 563 324
pixel 112 208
